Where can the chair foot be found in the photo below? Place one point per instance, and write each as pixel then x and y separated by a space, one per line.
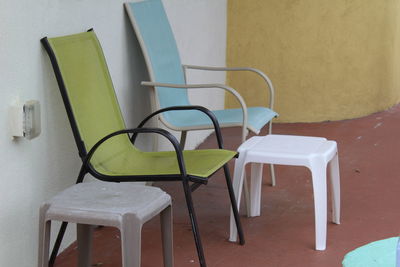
pixel 193 221
pixel 273 177
pixel 234 205
pixel 57 244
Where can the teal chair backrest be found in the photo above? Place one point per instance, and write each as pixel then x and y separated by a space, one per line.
pixel 153 28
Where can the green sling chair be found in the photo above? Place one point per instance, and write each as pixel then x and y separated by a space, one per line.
pixel 107 148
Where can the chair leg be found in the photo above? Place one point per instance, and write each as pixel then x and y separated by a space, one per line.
pixel 255 189
pixel 318 170
pixel 57 244
pixel 131 241
pixel 63 227
pixel 84 233
pixel 193 221
pixel 44 238
pixel 271 167
pixel 238 177
pixel 234 204
pixel 335 185
pixel 245 132
pixel 167 236
pixel 273 177
pixel 183 139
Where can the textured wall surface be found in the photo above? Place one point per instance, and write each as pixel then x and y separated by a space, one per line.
pixel 32 171
pixel 329 60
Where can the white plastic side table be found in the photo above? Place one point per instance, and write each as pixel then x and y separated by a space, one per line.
pixel 315 153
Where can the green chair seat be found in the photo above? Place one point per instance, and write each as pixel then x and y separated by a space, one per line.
pixel 200 163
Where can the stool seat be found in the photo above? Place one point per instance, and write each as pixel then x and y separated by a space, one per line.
pixel 126 206
pixel 287 149
pixel 315 153
pixel 107 202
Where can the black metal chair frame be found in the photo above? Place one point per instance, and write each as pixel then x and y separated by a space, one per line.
pixel 182 176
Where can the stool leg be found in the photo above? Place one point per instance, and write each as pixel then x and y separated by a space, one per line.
pixel 131 241
pixel 167 236
pixel 318 170
pixel 44 237
pixel 335 182
pixel 84 233
pixel 246 193
pixel 238 177
pixel 255 188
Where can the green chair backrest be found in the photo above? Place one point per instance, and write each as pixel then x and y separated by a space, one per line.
pixel 88 92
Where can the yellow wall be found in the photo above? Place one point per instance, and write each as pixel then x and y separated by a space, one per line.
pixel 328 59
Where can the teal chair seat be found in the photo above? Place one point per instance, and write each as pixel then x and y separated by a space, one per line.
pixel 257 118
pixel 380 253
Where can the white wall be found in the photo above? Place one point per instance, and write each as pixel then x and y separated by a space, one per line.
pixel 32 171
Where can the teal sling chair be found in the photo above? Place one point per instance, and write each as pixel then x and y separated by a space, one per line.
pixel 168 78
pixel 107 148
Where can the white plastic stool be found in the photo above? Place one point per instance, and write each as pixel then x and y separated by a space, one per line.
pixel 312 152
pixel 126 206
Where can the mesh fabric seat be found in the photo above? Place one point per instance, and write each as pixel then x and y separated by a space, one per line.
pixel 199 163
pixel 105 145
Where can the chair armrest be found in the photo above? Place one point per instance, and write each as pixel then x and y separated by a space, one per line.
pixel 257 71
pixel 199 108
pixel 162 132
pixel 200 86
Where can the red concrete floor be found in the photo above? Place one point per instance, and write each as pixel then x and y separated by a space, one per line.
pixel 284 233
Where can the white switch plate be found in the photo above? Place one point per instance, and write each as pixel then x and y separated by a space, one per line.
pixel 31 119
pixel 24 119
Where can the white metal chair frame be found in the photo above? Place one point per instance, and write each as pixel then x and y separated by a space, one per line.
pixel 229 89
